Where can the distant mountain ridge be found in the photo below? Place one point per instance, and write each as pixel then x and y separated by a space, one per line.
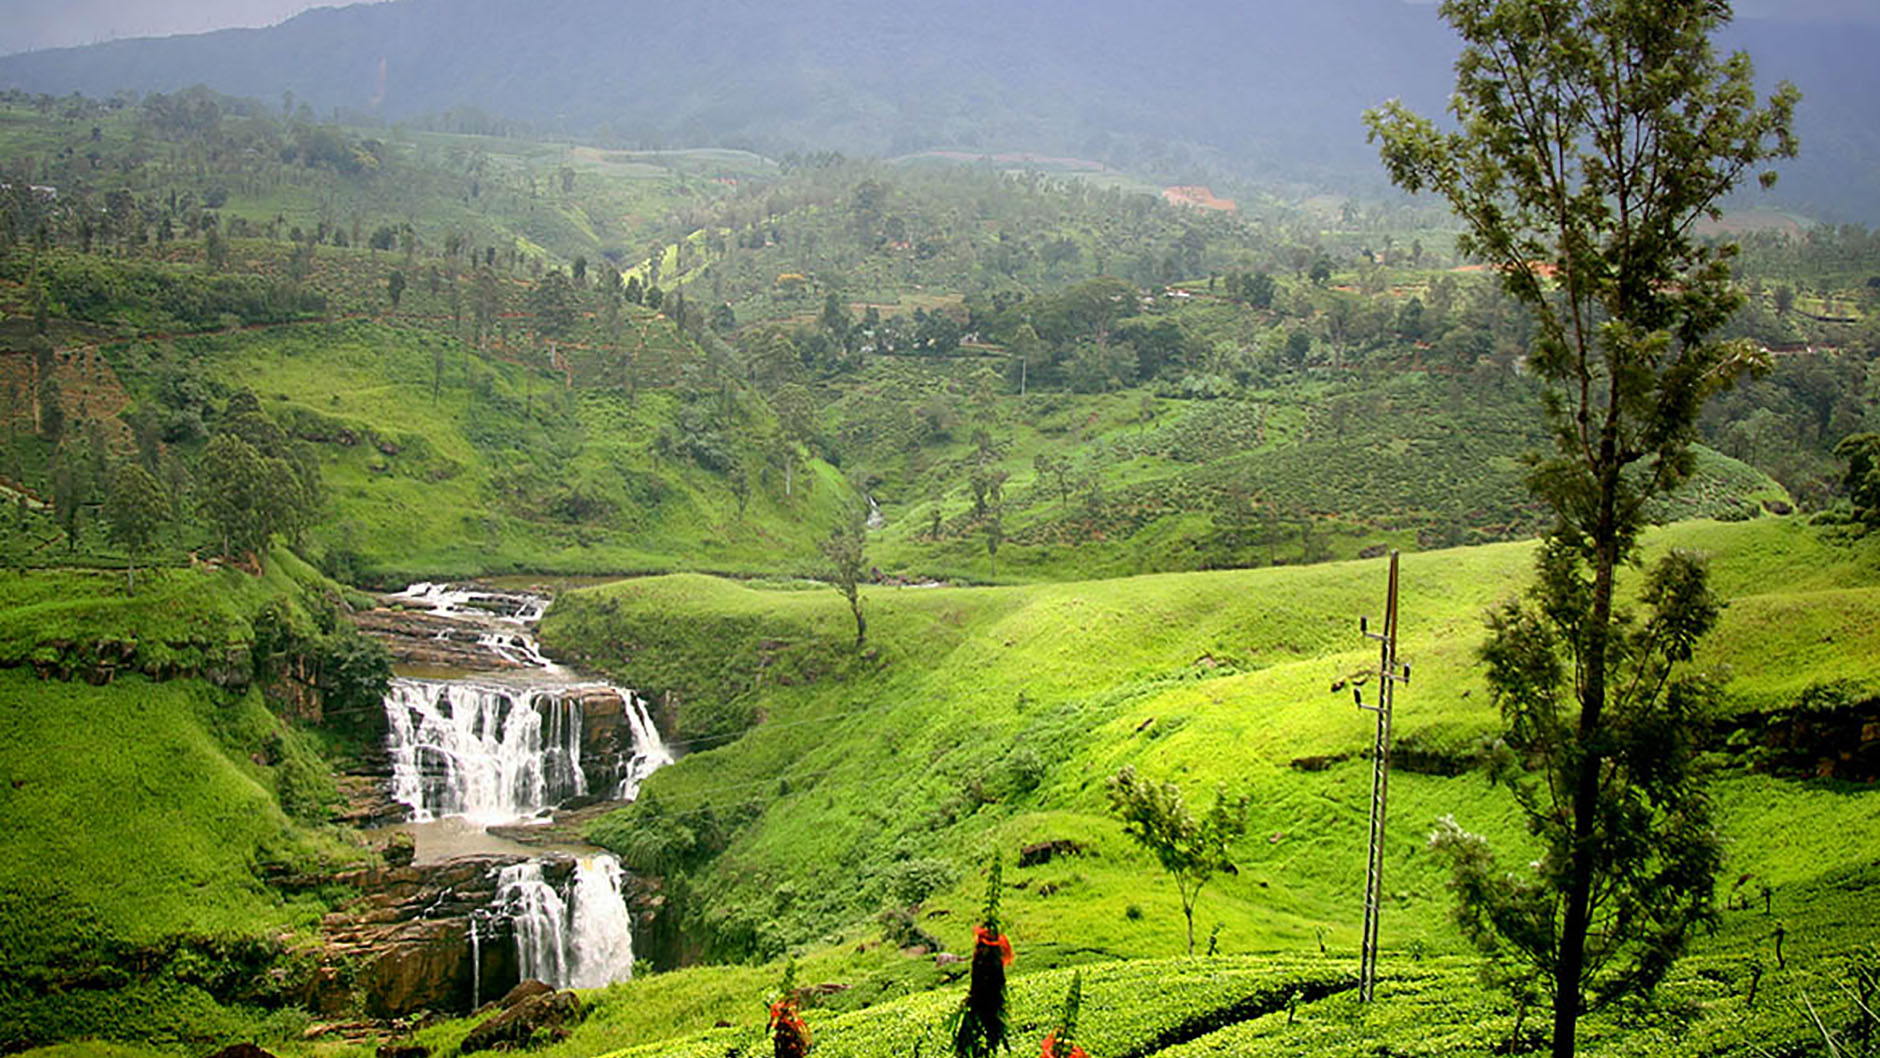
pixel 1269 91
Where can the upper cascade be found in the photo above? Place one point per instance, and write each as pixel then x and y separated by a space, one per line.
pixel 508 744
pixel 490 753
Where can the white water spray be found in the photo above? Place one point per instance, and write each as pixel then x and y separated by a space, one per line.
pixel 649 750
pixel 489 753
pixel 602 932
pixel 585 941
pixel 539 917
pixel 501 749
pixel 476 966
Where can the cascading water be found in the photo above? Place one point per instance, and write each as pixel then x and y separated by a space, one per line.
pixel 539 917
pixel 507 747
pixel 502 749
pixel 584 941
pixel 489 753
pixel 649 750
pixel 601 931
pixel 476 965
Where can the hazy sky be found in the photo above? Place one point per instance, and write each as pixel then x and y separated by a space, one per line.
pixel 28 24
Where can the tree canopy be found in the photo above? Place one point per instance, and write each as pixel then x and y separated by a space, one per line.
pixel 1191 850
pixel 1591 136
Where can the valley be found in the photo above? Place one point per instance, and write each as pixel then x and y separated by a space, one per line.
pixel 468 587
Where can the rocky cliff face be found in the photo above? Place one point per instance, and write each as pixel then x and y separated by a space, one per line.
pixel 405 944
pixel 423 641
pixel 1836 742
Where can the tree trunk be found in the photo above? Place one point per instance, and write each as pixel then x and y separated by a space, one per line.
pixel 861 623
pixel 1572 962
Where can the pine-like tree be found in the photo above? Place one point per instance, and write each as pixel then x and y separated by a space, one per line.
pixel 1592 136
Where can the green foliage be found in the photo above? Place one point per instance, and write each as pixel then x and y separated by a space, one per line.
pixel 1862 480
pixel 136 511
pixel 175 804
pixel 1659 848
pixel 649 837
pixel 154 297
pixel 844 551
pixel 1064 1034
pixel 909 882
pixel 1590 229
pixel 155 793
pixel 1191 850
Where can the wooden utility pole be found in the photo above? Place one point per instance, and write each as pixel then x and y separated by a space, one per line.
pixel 1388 673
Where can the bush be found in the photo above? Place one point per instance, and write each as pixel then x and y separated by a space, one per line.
pixel 909 882
pixel 1025 769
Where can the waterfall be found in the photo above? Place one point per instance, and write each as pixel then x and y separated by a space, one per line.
pixel 489 753
pixel 515 648
pixel 585 941
pixel 476 965
pixel 601 930
pixel 539 917
pixel 649 750
pixel 503 748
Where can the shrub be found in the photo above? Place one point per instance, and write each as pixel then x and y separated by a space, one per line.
pixel 911 881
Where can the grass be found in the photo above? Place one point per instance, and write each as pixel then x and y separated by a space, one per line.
pixel 134 900
pixel 175 822
pixel 439 462
pixel 146 815
pixel 1404 459
pixel 989 718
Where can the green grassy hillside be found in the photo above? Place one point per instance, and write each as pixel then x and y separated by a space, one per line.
pixel 981 719
pixel 1299 470
pixel 149 809
pixel 442 316
pixel 440 462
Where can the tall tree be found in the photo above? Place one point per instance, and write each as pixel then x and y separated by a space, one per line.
pixel 235 494
pixel 256 481
pixel 135 510
pixel 845 549
pixel 1592 135
pixel 551 302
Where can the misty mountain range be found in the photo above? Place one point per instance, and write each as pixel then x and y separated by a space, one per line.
pixel 1268 92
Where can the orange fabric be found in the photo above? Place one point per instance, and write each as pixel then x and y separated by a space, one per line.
pixel 1051 1048
pixel 982 935
pixel 783 1015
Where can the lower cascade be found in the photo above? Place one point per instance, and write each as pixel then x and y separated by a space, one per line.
pixel 582 939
